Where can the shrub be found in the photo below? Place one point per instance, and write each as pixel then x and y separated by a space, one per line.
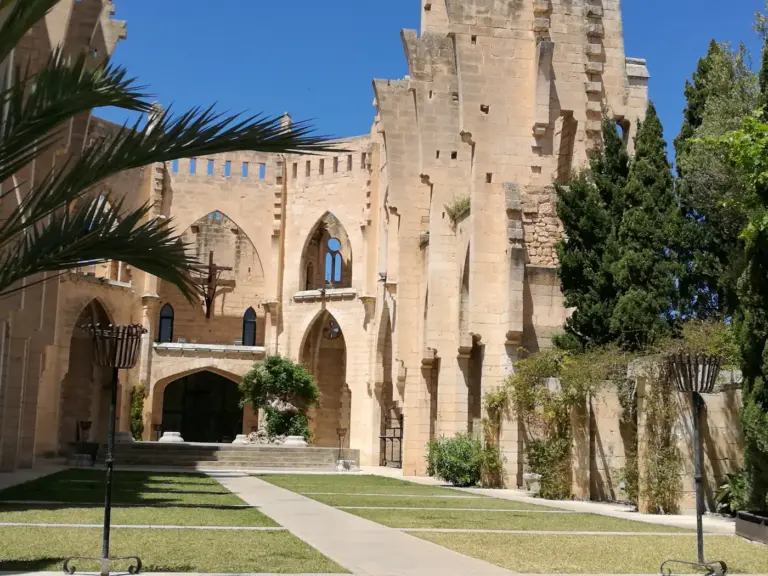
pixel 457 460
pixel 137 411
pixel 286 423
pixel 731 497
pixel 551 458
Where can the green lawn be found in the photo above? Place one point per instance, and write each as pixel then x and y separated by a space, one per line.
pixel 600 554
pixel 425 502
pixel 87 486
pixel 362 484
pixel 78 514
pixel 27 549
pixel 507 521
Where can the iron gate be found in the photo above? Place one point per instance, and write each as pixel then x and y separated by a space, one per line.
pixel 392 439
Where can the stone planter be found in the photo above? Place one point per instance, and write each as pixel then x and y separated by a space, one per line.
pixel 295 441
pixel 241 439
pixel 124 438
pixel 171 437
pixel 532 482
pixel 752 527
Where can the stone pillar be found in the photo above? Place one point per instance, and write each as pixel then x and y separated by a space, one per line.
pixel 418 411
pixel 14 392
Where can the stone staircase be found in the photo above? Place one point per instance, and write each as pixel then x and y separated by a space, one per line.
pixel 228 456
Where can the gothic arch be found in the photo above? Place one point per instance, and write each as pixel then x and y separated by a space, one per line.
pixel 326 258
pixel 84 389
pixel 324 353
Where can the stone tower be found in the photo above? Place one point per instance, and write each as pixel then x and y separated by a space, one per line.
pixel 503 98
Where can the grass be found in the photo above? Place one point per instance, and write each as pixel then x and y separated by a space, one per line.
pixel 600 554
pixel 75 514
pixel 351 485
pixel 27 549
pixel 87 486
pixel 508 521
pixel 426 502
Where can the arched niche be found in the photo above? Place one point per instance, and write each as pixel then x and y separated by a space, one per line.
pixel 85 389
pixel 326 261
pixel 324 353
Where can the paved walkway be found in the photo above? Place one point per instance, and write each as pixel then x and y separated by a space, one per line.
pixel 361 546
pixel 712 524
pixel 8 479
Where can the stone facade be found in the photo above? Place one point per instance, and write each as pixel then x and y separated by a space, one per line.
pixel 350 261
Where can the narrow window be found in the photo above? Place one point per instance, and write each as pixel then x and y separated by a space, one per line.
pixel 295 170
pixel 175 166
pixel 455 96
pixel 364 160
pixel 335 165
pixel 484 108
pixel 489 178
pixel 308 169
pixel 474 39
pixel 437 154
pixel 244 173
pixel 322 167
pixel 349 163
pixel 249 327
pixel 428 7
pixel 262 171
pixel 193 166
pixel 333 262
pixel 227 169
pixel 454 155
pixel 430 94
pixel 210 167
pixel 165 334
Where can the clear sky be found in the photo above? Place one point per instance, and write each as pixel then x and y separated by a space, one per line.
pixel 316 59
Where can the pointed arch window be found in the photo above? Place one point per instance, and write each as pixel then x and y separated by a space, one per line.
pixel 333 262
pixel 249 327
pixel 166 324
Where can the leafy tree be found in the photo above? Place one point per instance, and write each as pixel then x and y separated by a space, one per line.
pixel 589 207
pixel 747 150
pixel 645 271
pixel 285 391
pixel 137 411
pixel 52 227
pixel 723 94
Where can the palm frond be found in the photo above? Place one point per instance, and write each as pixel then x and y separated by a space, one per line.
pixel 38 104
pixel 24 14
pixel 93 233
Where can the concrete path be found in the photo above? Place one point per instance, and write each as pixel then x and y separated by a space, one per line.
pixel 712 524
pixel 361 546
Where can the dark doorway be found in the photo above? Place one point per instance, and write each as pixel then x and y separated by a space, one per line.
pixel 204 407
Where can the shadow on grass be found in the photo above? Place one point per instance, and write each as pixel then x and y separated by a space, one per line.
pixel 25 566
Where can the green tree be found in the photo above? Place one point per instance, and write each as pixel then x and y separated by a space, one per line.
pixel 589 207
pixel 645 270
pixel 747 151
pixel 285 391
pixel 724 92
pixel 52 228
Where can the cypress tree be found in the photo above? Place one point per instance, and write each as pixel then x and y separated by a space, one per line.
pixel 645 270
pixel 589 207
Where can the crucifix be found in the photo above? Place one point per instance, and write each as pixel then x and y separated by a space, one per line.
pixel 209 282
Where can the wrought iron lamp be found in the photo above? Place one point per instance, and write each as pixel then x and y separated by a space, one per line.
pixel 116 347
pixel 696 375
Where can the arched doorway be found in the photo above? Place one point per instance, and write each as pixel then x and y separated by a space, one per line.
pixel 325 354
pixel 85 390
pixel 203 407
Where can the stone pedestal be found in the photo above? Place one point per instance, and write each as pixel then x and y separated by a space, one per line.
pixel 171 437
pixel 295 441
pixel 241 439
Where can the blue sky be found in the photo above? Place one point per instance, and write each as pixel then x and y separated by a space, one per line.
pixel 317 59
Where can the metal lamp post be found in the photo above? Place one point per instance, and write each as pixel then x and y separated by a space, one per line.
pixel 696 375
pixel 341 433
pixel 116 347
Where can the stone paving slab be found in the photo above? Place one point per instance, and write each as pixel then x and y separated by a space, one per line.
pixel 361 546
pixel 555 532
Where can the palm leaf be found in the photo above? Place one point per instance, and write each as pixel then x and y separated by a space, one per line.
pixel 93 233
pixel 24 14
